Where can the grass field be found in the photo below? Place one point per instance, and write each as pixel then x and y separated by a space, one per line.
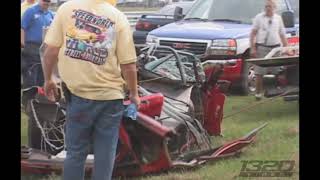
pixel 278 141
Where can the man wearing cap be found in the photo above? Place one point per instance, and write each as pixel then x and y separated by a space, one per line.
pixel 34 20
pixel 95 76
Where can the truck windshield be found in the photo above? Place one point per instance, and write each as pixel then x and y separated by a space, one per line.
pixel 237 11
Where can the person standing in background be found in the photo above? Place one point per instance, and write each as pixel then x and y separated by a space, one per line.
pixel 268 32
pixel 34 20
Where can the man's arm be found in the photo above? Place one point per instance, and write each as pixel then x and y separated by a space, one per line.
pixel 284 40
pixel 253 48
pixel 127 57
pixel 22 38
pixel 50 61
pixel 129 72
pixel 282 33
pixel 253 36
pixel 54 40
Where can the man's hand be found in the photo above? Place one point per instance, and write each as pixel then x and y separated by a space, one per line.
pixel 289 52
pixel 135 99
pixel 253 52
pixel 129 72
pixel 51 90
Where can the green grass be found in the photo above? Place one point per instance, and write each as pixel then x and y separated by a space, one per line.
pixel 278 141
pixel 24 129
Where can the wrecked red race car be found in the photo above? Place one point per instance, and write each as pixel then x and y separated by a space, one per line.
pixel 181 112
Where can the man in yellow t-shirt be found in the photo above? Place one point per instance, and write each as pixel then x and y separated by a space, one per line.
pixel 26 4
pixel 91 41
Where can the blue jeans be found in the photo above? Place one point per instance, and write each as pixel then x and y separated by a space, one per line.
pixel 91 122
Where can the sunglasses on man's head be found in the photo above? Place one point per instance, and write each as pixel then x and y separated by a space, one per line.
pixel 46 1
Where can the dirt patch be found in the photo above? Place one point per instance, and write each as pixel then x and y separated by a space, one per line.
pixel 293 131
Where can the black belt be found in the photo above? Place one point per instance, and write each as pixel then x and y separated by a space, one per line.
pixel 269 46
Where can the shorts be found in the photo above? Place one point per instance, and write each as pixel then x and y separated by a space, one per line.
pixel 262 51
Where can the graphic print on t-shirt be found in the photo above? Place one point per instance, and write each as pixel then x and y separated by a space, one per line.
pixel 90 38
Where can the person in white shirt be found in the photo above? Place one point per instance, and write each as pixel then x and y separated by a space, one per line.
pixel 268 32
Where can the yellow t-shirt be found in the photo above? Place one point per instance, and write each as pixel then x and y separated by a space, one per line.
pixel 25 5
pixel 94 39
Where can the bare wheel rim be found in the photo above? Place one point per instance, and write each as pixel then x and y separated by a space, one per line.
pixel 251 81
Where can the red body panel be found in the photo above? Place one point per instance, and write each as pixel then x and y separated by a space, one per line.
pixel 293 40
pixel 213 111
pixel 153 126
pixel 126 145
pixel 232 72
pixel 151 105
pixel 163 162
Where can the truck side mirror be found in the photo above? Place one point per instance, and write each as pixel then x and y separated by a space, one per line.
pixel 288 19
pixel 178 13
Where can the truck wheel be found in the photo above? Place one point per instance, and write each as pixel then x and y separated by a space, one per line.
pixel 251 80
